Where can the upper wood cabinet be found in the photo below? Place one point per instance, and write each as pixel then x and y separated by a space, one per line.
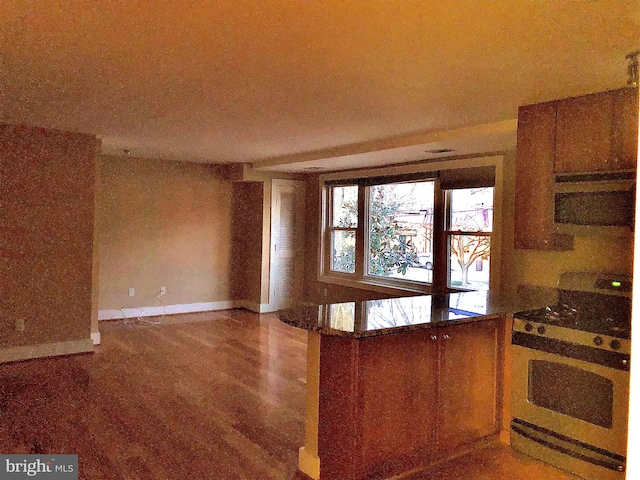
pixel 590 133
pixel 583 133
pixel 624 142
pixel 534 180
pixel 597 132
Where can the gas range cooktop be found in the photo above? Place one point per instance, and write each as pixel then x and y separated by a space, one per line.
pixel 613 323
pixel 594 310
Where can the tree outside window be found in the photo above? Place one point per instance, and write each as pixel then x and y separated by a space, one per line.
pixel 470 222
pixel 400 230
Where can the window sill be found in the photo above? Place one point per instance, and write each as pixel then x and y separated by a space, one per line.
pixel 376 286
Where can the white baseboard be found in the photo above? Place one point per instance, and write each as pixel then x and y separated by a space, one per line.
pixel 95 338
pixel 166 310
pixel 13 354
pixel 255 306
pixel 308 463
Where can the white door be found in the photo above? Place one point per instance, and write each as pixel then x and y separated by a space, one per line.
pixel 287 238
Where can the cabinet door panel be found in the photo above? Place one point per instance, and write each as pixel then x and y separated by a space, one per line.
pixel 398 385
pixel 583 133
pixel 624 154
pixel 339 435
pixel 468 383
pixel 534 180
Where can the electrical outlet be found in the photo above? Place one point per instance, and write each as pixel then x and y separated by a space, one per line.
pixel 19 325
pixel 132 292
pixel 163 290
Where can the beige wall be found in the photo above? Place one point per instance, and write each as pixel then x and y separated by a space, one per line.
pixel 163 223
pixel 600 254
pixel 46 238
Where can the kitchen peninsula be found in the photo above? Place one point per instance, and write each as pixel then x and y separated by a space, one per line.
pixel 396 384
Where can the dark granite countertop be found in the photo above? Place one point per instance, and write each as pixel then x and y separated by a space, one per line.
pixel 395 315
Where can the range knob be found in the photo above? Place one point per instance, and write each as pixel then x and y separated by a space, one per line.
pixel 528 327
pixel 541 330
pixel 615 344
pixel 598 340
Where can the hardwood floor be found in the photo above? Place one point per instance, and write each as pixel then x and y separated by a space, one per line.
pixel 205 396
pixel 216 399
pixel 494 462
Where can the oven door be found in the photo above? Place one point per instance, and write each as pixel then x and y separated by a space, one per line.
pixel 569 412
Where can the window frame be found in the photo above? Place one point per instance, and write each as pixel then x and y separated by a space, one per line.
pixel 393 281
pixel 330 229
pixel 393 174
pixel 448 233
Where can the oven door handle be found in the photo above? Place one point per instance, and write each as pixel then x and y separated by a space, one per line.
pixel 606 358
pixel 569 446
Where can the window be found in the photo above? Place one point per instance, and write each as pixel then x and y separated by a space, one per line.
pixel 400 233
pixel 469 224
pixel 343 222
pixel 384 232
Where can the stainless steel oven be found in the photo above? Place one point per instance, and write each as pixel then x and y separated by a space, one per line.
pixel 570 377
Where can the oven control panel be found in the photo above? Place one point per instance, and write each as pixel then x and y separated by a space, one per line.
pixel 578 337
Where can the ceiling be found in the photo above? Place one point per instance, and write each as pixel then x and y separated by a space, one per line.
pixel 297 85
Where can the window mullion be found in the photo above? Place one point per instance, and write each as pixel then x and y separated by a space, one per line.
pixel 363 226
pixel 343 229
pixel 440 241
pixel 468 232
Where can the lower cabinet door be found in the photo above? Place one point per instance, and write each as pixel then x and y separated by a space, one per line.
pixel 398 388
pixel 468 382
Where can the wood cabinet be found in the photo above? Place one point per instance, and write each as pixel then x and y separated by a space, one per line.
pixel 393 403
pixel 597 132
pixel 583 133
pixel 399 392
pixel 586 134
pixel 624 132
pixel 533 218
pixel 468 384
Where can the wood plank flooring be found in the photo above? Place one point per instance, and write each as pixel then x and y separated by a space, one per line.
pixel 204 396
pixel 493 462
